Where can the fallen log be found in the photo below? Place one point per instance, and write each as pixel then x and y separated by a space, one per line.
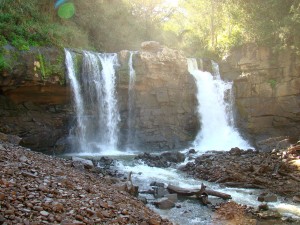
pixel 197 192
pixel 218 194
pixel 184 191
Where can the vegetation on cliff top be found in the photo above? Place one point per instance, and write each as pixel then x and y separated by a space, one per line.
pixel 199 27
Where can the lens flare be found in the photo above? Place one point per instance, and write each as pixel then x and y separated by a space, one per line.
pixel 66 11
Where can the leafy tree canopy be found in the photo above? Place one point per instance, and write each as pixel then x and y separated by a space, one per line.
pixel 199 27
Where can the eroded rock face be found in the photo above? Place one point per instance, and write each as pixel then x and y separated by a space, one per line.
pixel 165 102
pixel 267 90
pixel 35 101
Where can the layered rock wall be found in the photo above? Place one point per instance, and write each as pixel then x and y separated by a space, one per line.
pixel 35 101
pixel 165 103
pixel 267 90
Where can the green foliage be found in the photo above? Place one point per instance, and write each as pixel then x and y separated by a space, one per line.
pixel 50 69
pixel 272 83
pixel 41 60
pixel 4 65
pixel 20 43
pixel 202 28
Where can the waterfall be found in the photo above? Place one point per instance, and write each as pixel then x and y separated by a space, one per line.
pixel 77 98
pixel 96 107
pixel 217 130
pixel 131 104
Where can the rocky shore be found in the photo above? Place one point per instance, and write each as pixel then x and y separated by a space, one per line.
pixel 40 189
pixel 277 171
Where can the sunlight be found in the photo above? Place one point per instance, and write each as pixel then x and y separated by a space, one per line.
pixel 172 2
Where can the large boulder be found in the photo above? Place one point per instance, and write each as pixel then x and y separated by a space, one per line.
pixel 163 160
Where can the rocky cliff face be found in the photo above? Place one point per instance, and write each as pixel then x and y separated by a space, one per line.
pixel 267 90
pixel 35 99
pixel 165 104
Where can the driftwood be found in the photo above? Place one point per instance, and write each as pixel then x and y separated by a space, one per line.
pixel 218 194
pixel 184 191
pixel 197 192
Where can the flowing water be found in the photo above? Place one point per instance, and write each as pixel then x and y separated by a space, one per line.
pixel 217 129
pixel 96 130
pixel 96 107
pixel 131 105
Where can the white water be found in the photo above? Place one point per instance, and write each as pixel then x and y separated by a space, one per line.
pixel 131 104
pixel 191 212
pixel 97 115
pixel 76 98
pixel 111 115
pixel 217 131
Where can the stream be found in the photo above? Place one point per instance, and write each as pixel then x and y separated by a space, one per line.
pixel 188 210
pixel 95 133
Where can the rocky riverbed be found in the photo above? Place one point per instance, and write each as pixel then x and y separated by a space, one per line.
pixel 277 171
pixel 40 189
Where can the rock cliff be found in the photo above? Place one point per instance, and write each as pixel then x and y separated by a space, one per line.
pixel 267 90
pixel 165 115
pixel 35 99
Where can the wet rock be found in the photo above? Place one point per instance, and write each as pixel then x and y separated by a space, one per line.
pixel 164 203
pixel 192 151
pixel 157 184
pixel 263 207
pixel 163 160
pixel 296 198
pixel 160 192
pixel 172 197
pixel 105 162
pixel 267 198
pixel 174 157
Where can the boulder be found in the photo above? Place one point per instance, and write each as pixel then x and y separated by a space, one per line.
pixel 267 198
pixel 174 157
pixel 87 164
pixel 160 192
pixel 14 139
pixel 163 160
pixel 164 203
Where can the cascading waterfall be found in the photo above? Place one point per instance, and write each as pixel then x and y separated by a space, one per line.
pixel 131 104
pixel 77 98
pixel 95 103
pixel 217 131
